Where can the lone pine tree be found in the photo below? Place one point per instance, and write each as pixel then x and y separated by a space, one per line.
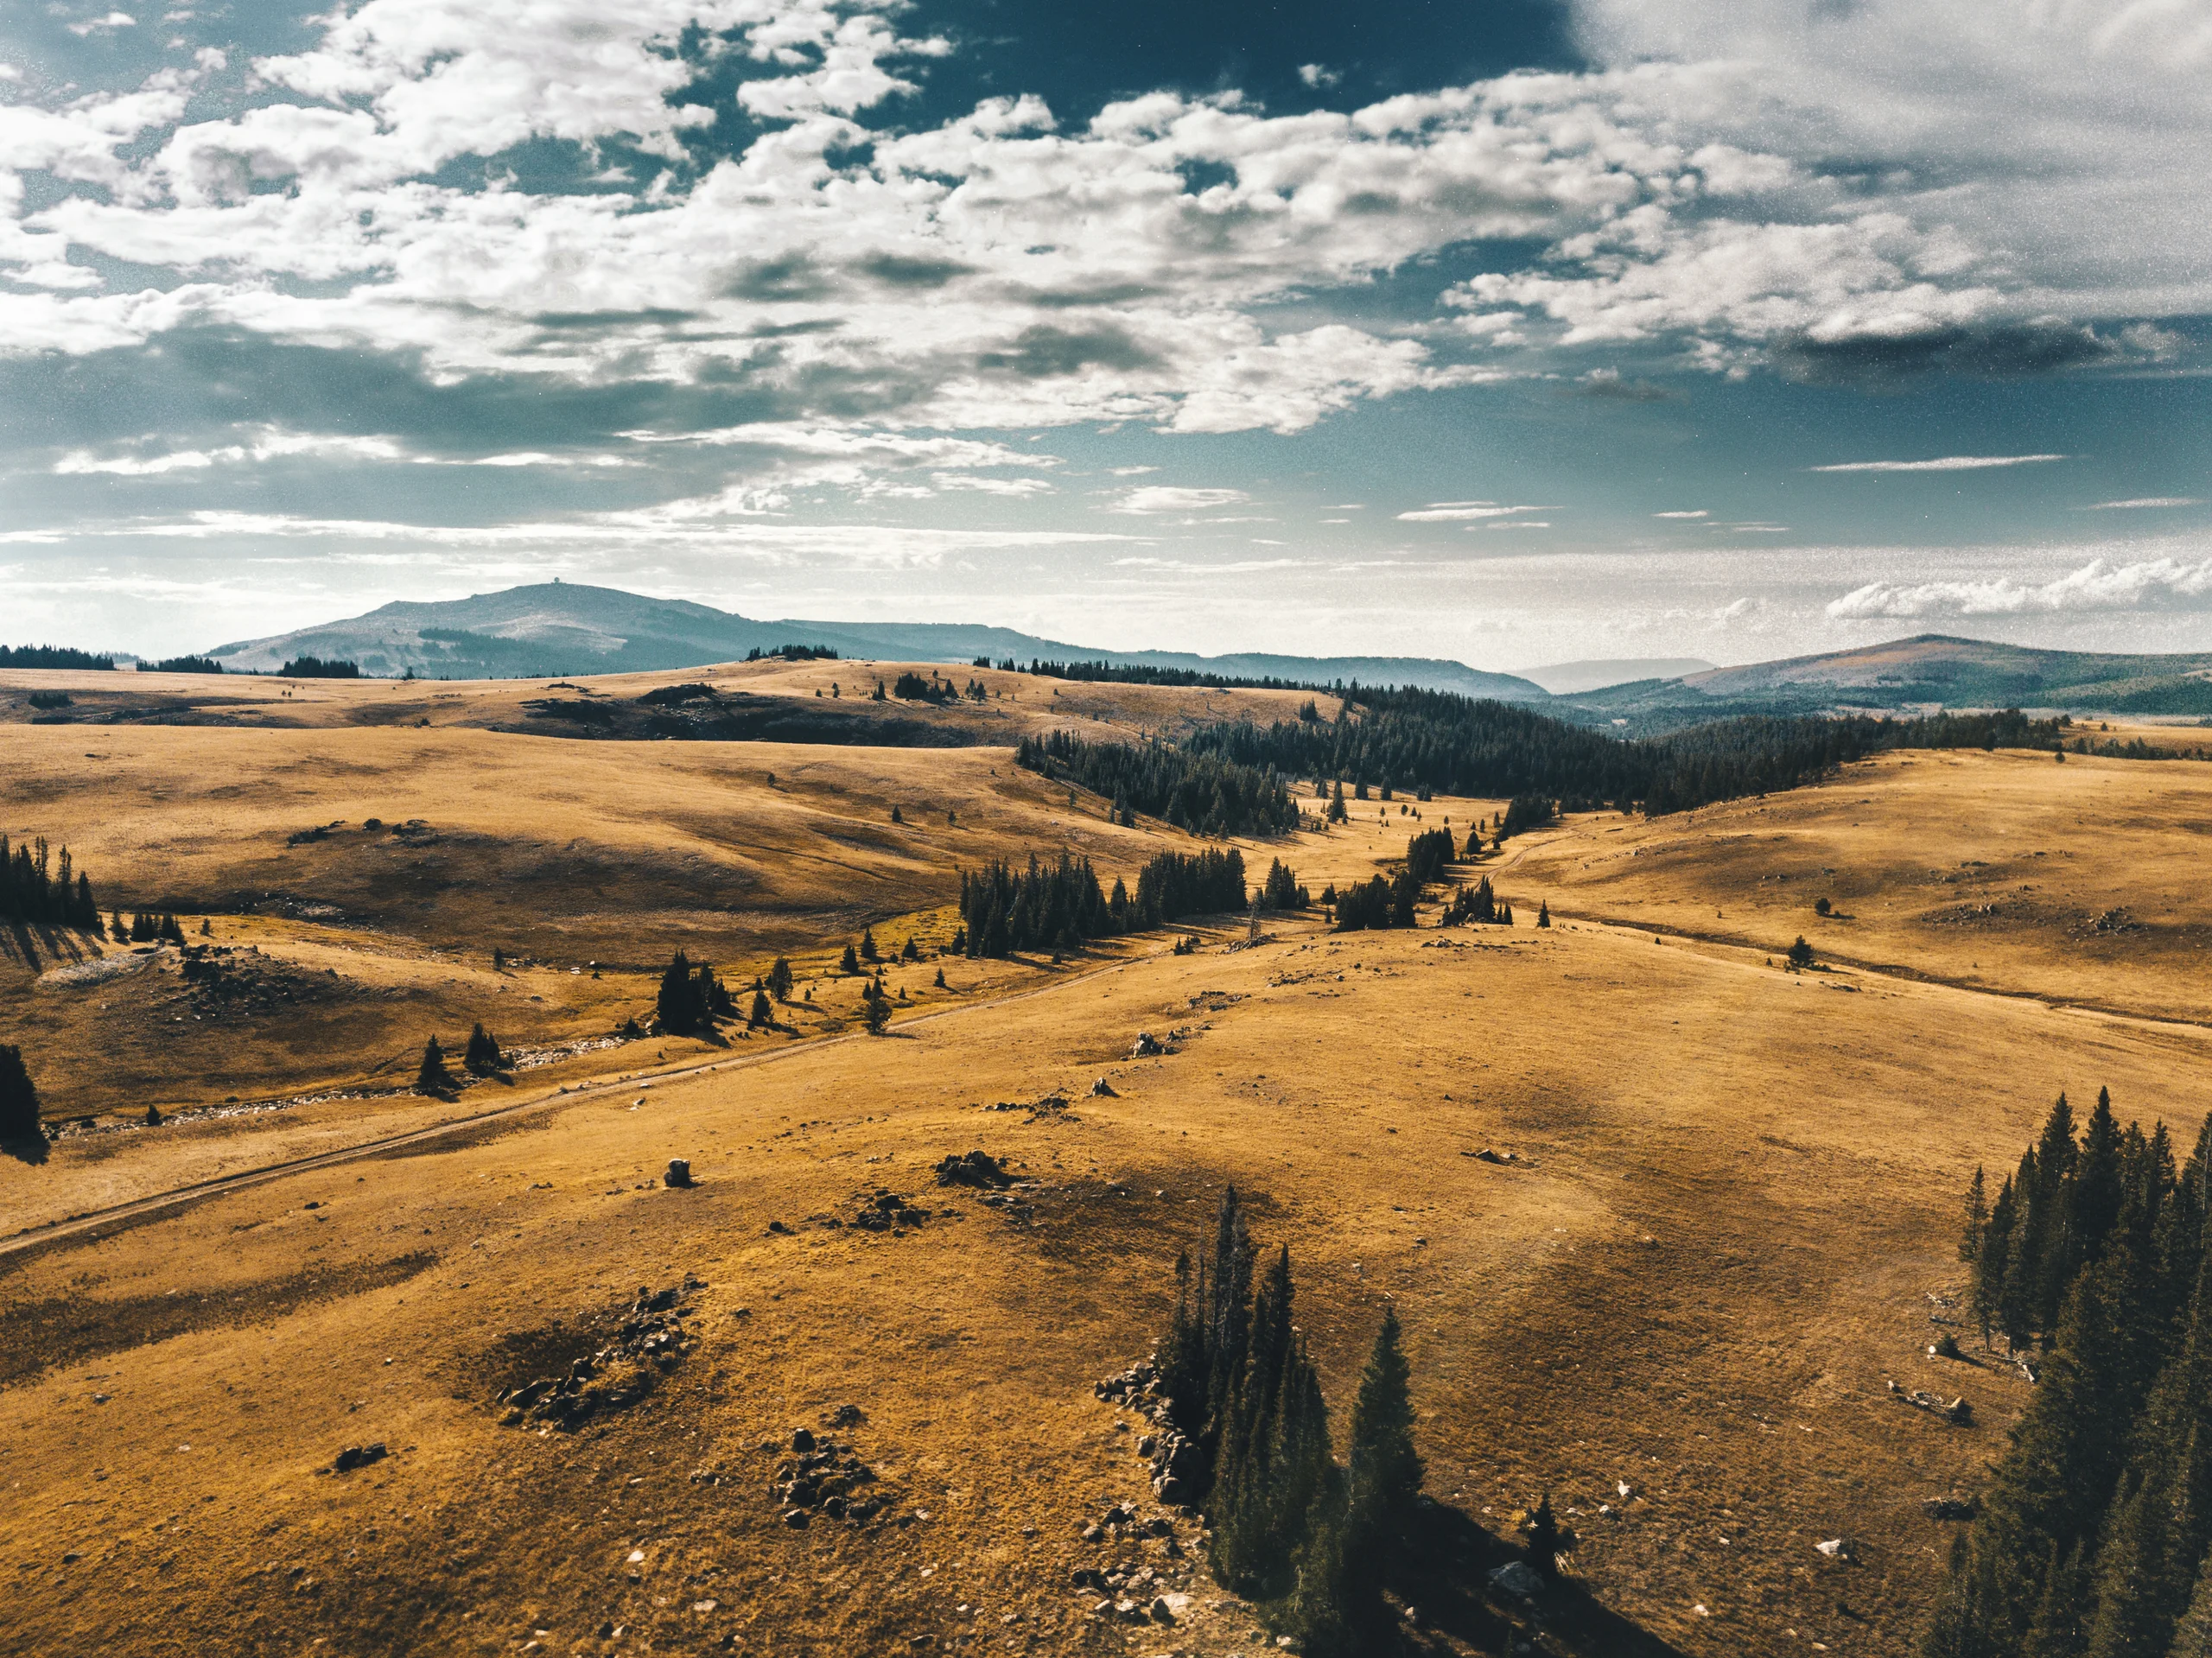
pixel 19 1117
pixel 431 1076
pixel 779 979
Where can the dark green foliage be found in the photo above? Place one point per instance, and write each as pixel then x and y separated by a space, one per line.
pixel 869 951
pixel 909 951
pixel 183 665
pixel 2095 1529
pixel 910 687
pixel 939 982
pixel 317 667
pixel 762 1012
pixel 51 656
pixel 18 1098
pixel 779 979
pixel 788 652
pixel 1800 953
pixel 1365 906
pixel 1337 814
pixel 875 1007
pixel 849 961
pixel 1198 793
pixel 1543 914
pixel 1132 673
pixel 1287 1524
pixel 1384 1468
pixel 1177 884
pixel 432 1078
pixel 482 1056
pixel 690 1000
pixel 1977 1217
pixel 1527 812
pixel 1459 745
pixel 49 700
pixel 37 887
pixel 1280 890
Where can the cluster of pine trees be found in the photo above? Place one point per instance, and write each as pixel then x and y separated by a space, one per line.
pixel 1198 793
pixel 1377 903
pixel 794 653
pixel 36 887
pixel 1480 904
pixel 910 687
pixel 183 665
pixel 1058 905
pixel 690 999
pixel 51 656
pixel 318 668
pixel 1280 890
pixel 2094 1536
pixel 1289 1525
pixel 143 928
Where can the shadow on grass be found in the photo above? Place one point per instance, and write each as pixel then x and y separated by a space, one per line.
pixel 1442 1573
pixel 31 1148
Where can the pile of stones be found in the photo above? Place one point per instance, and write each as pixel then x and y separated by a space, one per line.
pixel 651 1339
pixel 885 1210
pixel 823 1475
pixel 978 1169
pixel 1174 1457
pixel 1134 1593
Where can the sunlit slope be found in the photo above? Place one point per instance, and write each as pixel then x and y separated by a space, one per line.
pixel 2080 882
pixel 1742 1194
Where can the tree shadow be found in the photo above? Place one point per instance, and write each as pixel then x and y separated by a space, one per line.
pixel 1441 1572
pixel 32 1149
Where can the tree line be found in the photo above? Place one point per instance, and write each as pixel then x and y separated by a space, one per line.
pixel 1198 793
pixel 2093 1535
pixel 1138 673
pixel 34 887
pixel 1412 739
pixel 1058 905
pixel 51 656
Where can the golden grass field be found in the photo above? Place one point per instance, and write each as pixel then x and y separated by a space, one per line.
pixel 1735 1227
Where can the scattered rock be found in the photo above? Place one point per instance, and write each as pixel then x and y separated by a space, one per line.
pixel 1102 1089
pixel 651 1339
pixel 884 1211
pixel 1951 1508
pixel 679 1172
pixel 976 1168
pixel 358 1456
pixel 844 1416
pixel 1517 1577
pixel 1146 1048
pixel 826 1478
pixel 1957 1412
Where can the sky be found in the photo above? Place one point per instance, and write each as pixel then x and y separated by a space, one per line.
pixel 1503 330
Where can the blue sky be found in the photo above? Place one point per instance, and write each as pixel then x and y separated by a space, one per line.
pixel 1513 332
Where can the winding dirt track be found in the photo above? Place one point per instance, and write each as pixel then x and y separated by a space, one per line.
pixel 142 1209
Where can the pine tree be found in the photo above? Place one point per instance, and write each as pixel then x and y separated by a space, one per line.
pixel 1977 1221
pixel 848 962
pixel 1543 913
pixel 676 1006
pixel 482 1054
pixel 779 979
pixel 1800 953
pixel 868 945
pixel 432 1078
pixel 762 1012
pixel 19 1112
pixel 1384 1468
pixel 938 983
pixel 876 1008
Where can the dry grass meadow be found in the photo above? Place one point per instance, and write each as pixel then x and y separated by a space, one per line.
pixel 1729 1224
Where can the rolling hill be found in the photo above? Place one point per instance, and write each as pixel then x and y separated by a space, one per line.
pixel 559 627
pixel 1929 670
